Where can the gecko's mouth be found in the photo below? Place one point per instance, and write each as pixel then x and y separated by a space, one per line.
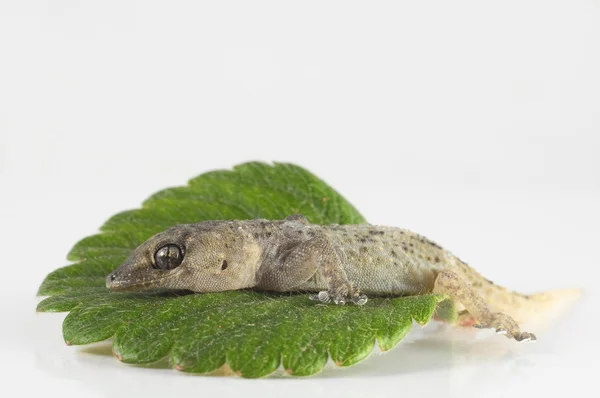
pixel 114 284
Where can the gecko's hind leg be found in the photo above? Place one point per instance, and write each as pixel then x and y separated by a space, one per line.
pixel 449 283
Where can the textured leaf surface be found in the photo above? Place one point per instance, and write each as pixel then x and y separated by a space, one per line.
pixel 252 332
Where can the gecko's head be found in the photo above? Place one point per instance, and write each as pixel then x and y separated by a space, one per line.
pixel 206 257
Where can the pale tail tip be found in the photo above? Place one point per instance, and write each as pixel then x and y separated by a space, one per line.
pixel 556 301
pixel 549 305
pixel 566 295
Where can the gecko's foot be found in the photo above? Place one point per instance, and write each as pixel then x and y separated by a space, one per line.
pixel 326 297
pixel 525 337
pixel 341 296
pixel 503 324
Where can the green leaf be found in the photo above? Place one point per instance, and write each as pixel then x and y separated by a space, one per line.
pixel 252 332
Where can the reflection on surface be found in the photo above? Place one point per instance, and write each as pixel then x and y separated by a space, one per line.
pixel 438 359
pixel 461 354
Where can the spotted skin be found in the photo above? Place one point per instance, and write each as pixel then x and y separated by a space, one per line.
pixel 339 263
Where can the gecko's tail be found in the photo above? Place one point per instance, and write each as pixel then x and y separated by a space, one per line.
pixel 522 307
pixel 525 307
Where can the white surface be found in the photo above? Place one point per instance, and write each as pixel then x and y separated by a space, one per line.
pixel 476 124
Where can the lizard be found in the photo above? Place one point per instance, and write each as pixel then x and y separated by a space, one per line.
pixel 338 263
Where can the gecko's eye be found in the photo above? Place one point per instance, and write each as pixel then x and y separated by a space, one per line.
pixel 168 257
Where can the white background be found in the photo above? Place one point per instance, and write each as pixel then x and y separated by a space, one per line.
pixel 474 123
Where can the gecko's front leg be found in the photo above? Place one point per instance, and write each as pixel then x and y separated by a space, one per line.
pixel 340 289
pixel 317 255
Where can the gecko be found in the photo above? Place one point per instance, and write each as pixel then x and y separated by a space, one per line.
pixel 338 264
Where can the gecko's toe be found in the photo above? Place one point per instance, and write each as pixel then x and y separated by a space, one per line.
pixel 327 297
pixel 339 300
pixel 322 296
pixel 360 300
pixel 501 331
pixel 525 337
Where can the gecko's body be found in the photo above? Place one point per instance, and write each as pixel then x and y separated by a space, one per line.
pixel 343 263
